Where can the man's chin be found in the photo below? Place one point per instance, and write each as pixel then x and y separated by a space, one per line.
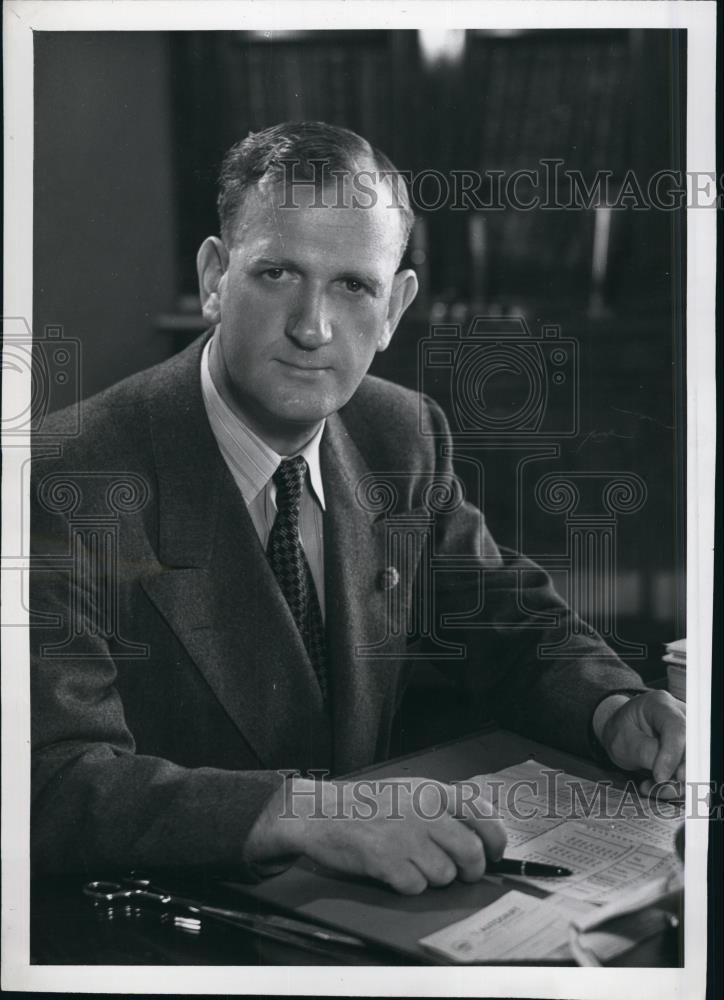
pixel 294 423
pixel 303 419
pixel 304 412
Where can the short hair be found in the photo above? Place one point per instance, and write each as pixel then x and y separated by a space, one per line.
pixel 311 151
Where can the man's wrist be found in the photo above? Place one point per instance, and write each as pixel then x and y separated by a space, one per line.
pixel 277 832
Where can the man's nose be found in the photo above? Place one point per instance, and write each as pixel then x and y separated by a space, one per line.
pixel 309 323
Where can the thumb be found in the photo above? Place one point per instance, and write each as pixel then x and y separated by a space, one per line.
pixel 672 746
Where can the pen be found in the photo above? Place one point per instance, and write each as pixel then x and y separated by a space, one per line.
pixel 312 943
pixel 289 931
pixel 309 930
pixel 509 866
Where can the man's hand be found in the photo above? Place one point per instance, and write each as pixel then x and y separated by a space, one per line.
pixel 408 833
pixel 647 732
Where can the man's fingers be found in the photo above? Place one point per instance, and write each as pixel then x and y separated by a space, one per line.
pixel 444 834
pixel 435 864
pixel 646 786
pixel 671 790
pixel 463 846
pixel 407 879
pixel 493 835
pixel 672 747
pixel 668 789
pixel 469 804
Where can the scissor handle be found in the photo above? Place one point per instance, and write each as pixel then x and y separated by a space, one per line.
pixel 108 892
pixel 139 889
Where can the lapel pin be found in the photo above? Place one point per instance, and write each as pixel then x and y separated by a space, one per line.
pixel 387 579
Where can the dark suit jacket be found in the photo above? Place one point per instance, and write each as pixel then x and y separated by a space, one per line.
pixel 169 682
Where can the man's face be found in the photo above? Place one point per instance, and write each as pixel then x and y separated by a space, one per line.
pixel 303 298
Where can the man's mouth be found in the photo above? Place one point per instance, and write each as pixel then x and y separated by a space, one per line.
pixel 303 368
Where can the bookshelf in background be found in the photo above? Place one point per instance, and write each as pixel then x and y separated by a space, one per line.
pixel 604 100
pixel 610 100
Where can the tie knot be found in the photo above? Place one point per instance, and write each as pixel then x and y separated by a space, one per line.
pixel 289 481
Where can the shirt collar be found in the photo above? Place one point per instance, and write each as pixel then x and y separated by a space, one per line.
pixel 251 461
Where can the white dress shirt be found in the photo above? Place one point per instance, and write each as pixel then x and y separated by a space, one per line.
pixel 252 463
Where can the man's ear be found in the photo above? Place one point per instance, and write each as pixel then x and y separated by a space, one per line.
pixel 404 290
pixel 212 261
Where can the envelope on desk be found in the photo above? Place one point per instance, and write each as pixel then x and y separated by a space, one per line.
pixel 519 927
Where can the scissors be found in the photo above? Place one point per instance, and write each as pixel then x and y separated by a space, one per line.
pixel 286 929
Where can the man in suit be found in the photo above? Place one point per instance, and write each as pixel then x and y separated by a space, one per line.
pixel 199 663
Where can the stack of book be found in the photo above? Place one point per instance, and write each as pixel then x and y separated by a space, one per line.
pixel 675 660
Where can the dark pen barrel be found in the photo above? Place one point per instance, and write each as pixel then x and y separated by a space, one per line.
pixel 510 866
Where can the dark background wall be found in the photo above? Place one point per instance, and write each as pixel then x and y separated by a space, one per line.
pixel 105 216
pixel 130 130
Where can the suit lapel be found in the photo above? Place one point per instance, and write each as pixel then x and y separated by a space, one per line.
pixel 355 556
pixel 217 591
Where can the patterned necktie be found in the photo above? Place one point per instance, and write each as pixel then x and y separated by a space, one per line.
pixel 290 565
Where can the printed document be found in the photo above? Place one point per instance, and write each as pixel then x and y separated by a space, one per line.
pixel 615 842
pixel 611 840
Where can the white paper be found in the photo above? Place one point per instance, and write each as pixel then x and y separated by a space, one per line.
pixel 620 846
pixel 515 927
pixel 519 927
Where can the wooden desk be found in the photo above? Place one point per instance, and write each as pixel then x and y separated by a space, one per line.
pixel 66 928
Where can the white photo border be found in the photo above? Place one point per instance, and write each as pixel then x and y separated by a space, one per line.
pixel 21 18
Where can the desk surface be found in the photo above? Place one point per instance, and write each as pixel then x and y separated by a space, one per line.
pixel 66 928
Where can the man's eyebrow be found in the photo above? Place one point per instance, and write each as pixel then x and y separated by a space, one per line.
pixel 353 274
pixel 274 262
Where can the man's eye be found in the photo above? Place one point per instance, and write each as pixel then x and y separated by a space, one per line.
pixel 274 273
pixel 352 285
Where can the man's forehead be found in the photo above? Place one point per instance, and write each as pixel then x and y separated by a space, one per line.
pixel 353 202
pixel 341 186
